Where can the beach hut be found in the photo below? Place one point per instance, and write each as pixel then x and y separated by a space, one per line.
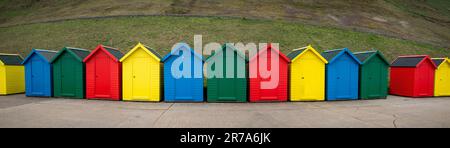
pixel 38 73
pixel 342 73
pixel 141 74
pixel 307 75
pixel 412 76
pixel 12 74
pixel 103 74
pixel 442 77
pixel 69 73
pixel 229 81
pixel 183 75
pixel 373 75
pixel 265 87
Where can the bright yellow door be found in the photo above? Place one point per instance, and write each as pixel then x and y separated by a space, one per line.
pixel 442 80
pixel 308 78
pixel 141 78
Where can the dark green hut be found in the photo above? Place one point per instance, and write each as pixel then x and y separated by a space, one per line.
pixel 227 85
pixel 69 73
pixel 373 77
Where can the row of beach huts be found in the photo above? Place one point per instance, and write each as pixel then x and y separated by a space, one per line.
pixel 143 75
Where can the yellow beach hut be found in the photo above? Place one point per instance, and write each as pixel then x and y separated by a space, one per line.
pixel 141 75
pixel 307 75
pixel 12 74
pixel 442 77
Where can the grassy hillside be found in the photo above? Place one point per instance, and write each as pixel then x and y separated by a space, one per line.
pixel 425 21
pixel 162 32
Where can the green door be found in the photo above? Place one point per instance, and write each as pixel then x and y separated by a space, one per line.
pixel 374 76
pixel 228 89
pixel 68 75
pixel 226 85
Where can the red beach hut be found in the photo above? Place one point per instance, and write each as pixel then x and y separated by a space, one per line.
pixel 412 76
pixel 265 87
pixel 103 74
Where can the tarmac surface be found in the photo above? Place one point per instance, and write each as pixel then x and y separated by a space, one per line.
pixel 394 112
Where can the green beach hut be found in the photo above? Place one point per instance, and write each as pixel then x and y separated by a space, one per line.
pixel 373 75
pixel 69 73
pixel 229 81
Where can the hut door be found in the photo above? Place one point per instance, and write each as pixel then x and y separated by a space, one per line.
pixel 102 75
pixel 68 75
pixel 342 77
pixel 227 85
pixel 270 94
pixel 425 79
pixel 183 91
pixel 141 80
pixel 310 76
pixel 374 79
pixel 37 76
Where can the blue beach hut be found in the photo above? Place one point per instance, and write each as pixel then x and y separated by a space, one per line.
pixel 180 83
pixel 342 75
pixel 38 73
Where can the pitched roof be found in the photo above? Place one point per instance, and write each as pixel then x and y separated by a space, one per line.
pixel 438 61
pixel 228 46
pixel 11 59
pixel 115 52
pixel 79 53
pixel 363 56
pixel 147 49
pixel 367 55
pixel 331 55
pixel 153 51
pixel 408 61
pixel 46 54
pixel 269 46
pixel 298 52
pixel 180 46
pixel 295 53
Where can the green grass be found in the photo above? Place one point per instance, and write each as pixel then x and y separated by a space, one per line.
pixel 162 32
pixel 417 20
pixel 435 9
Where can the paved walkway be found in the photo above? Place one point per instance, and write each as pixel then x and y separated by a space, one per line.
pixel 20 111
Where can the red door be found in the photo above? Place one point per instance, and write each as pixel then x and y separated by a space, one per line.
pixel 102 76
pixel 425 80
pixel 270 94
